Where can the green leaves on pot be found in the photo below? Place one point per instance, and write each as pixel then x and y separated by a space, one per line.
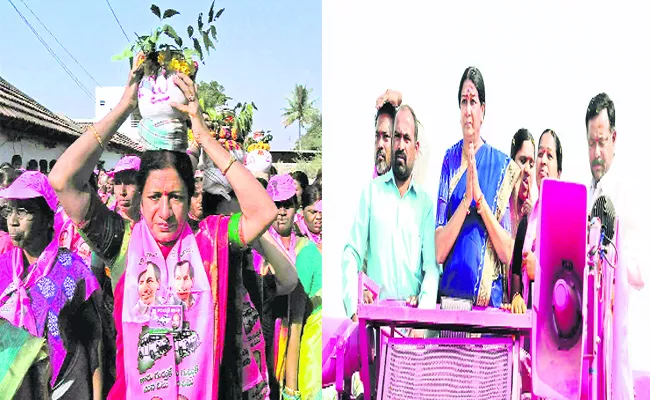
pixel 127 53
pixel 169 31
pixel 206 32
pixel 155 10
pixel 169 13
pixel 202 36
pixel 197 47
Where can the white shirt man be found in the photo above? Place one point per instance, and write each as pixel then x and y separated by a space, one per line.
pixel 633 239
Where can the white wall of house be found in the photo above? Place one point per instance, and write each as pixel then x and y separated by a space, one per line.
pixel 30 149
pixel 106 98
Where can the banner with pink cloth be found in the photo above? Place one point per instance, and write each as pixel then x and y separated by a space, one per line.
pixel 168 320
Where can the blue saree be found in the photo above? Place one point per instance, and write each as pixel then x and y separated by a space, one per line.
pixel 472 269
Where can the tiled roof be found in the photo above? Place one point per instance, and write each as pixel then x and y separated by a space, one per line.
pixel 16 105
pixel 119 139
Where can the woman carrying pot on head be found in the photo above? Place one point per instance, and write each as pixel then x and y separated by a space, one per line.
pixel 472 239
pixel 45 304
pixel 310 222
pixel 223 349
pixel 268 276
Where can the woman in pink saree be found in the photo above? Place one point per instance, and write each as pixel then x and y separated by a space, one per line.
pixel 218 350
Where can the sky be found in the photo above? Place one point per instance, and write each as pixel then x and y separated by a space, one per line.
pixel 542 63
pixel 264 49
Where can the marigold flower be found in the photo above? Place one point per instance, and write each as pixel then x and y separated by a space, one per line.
pixel 184 69
pixel 175 65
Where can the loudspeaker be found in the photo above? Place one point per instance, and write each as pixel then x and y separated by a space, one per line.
pixel 340 335
pixel 561 250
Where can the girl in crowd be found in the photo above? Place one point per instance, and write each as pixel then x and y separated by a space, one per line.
pixel 110 191
pixel 476 182
pixel 310 222
pixel 196 205
pixel 46 291
pixel 522 151
pixel 283 191
pixel 302 181
pixel 227 361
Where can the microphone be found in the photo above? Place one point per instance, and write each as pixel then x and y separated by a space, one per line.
pixel 604 210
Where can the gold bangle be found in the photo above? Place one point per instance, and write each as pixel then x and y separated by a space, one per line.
pixel 99 139
pixel 232 161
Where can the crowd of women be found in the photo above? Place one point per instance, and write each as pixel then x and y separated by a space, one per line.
pixel 173 275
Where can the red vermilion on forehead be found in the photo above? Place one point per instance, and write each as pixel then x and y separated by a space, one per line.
pixel 469 94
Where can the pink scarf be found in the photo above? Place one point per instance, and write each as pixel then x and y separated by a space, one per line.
pixel 302 225
pixel 70 238
pixel 213 244
pixel 35 303
pixel 17 308
pixel 179 358
pixel 5 242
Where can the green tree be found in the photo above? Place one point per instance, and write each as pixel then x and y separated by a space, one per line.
pixel 212 94
pixel 244 118
pixel 300 109
pixel 313 139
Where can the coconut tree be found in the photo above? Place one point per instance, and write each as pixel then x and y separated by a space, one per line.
pixel 300 109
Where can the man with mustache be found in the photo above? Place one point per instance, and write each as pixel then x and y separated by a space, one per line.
pixel 394 228
pixel 609 179
pixel 148 285
pixel 386 105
